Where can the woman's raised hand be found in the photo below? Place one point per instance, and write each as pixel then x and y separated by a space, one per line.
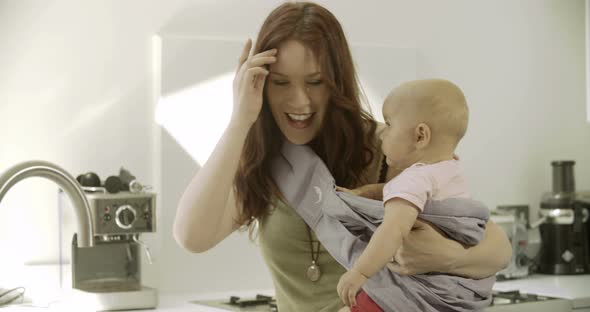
pixel 249 83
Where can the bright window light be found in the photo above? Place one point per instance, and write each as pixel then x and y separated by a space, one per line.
pixel 196 117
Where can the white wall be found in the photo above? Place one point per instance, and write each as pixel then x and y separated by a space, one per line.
pixel 75 88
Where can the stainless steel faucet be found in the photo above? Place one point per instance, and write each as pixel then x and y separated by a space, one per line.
pixel 43 169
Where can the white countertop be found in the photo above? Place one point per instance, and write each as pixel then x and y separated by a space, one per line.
pixel 167 303
pixel 573 287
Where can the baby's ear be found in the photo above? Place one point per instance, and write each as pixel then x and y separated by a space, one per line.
pixel 422 135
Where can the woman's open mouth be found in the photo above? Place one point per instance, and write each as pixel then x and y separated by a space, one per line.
pixel 300 121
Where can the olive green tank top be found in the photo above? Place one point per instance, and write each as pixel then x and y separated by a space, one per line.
pixel 284 243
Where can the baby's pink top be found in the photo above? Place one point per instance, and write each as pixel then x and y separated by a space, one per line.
pixel 421 182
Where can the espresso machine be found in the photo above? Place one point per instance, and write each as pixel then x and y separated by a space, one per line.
pixel 106 247
pixel 565 228
pixel 108 275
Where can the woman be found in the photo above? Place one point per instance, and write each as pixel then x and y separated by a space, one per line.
pixel 300 85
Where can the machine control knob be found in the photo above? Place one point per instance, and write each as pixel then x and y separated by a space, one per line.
pixel 125 216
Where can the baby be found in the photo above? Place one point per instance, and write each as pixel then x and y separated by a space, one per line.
pixel 425 120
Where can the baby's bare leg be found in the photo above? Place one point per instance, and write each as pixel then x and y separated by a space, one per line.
pixel 344 309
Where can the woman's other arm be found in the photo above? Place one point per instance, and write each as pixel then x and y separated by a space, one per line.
pixel 427 250
pixel 486 258
pixel 207 211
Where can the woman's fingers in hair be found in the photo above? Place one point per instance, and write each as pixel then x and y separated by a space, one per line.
pixel 258 60
pixel 256 75
pixel 254 71
pixel 260 80
pixel 245 53
pixel 253 67
pixel 269 52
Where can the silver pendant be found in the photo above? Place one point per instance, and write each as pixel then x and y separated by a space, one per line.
pixel 313 272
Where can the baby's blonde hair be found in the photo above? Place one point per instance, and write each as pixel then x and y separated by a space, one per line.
pixel 438 103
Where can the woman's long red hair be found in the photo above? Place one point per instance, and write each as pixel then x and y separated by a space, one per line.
pixel 346 142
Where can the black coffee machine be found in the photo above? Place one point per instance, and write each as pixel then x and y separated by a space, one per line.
pixel 565 231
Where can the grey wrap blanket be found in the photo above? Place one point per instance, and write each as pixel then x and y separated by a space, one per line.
pixel 344 223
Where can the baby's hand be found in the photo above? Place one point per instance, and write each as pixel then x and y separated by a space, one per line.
pixel 373 191
pixel 349 285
